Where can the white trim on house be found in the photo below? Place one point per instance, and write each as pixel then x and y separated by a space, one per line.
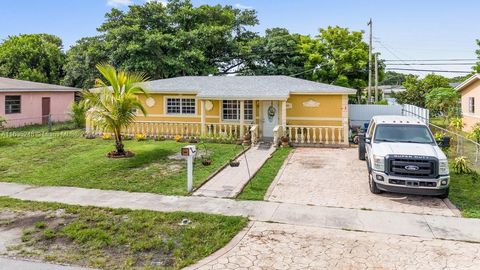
pixel 179 114
pixel 468 82
pixel 249 121
pixel 315 118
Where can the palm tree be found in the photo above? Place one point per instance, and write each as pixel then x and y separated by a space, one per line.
pixel 115 101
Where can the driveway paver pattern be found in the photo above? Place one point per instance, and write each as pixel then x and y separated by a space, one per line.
pixel 283 246
pixel 336 177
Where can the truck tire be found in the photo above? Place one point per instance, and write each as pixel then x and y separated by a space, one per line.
pixel 361 151
pixel 373 186
pixel 361 146
pixel 445 194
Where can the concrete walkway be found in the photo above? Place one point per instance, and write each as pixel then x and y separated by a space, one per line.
pixel 231 180
pixel 425 226
pixel 10 264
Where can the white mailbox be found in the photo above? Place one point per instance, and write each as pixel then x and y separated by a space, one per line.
pixel 189 151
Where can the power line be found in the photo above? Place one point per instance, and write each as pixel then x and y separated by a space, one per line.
pixel 433 64
pixel 430 70
pixel 428 60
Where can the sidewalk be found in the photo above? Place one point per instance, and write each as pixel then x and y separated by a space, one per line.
pixel 427 226
pixel 9 264
pixel 231 180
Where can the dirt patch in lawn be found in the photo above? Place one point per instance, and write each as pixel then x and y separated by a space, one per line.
pixel 110 238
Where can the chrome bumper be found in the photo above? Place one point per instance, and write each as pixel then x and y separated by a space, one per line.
pixel 419 186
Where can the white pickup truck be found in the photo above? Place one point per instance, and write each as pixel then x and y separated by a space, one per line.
pixel 403 157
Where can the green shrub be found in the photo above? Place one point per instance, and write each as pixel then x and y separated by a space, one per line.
pixel 461 166
pixel 2 121
pixel 78 114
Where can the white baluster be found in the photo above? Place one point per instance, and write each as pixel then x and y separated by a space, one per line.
pixel 327 135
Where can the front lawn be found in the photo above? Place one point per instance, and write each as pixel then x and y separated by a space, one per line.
pixel 112 238
pixel 465 193
pixel 258 185
pixel 66 159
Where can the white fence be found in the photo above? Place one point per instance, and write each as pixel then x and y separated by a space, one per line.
pixel 417 112
pixel 359 114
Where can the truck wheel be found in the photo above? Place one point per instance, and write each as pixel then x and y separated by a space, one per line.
pixel 373 186
pixel 361 152
pixel 445 194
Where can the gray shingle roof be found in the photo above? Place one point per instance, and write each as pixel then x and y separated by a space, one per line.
pixel 13 85
pixel 246 87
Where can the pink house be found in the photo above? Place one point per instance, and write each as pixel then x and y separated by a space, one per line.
pixel 24 102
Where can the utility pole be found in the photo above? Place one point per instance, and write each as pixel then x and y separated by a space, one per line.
pixel 376 77
pixel 369 94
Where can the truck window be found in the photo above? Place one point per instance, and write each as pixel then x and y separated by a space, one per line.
pixel 403 133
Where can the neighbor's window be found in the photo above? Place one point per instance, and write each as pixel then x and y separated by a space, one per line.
pixel 231 110
pixel 13 104
pixel 180 106
pixel 471 105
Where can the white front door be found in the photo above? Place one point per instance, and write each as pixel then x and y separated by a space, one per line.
pixel 270 117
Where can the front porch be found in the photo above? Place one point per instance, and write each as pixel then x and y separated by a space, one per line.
pixel 264 120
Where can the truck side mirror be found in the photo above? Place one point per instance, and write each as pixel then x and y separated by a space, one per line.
pixel 368 140
pixel 444 142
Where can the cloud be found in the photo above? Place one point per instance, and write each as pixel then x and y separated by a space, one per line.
pixel 118 3
pixel 240 6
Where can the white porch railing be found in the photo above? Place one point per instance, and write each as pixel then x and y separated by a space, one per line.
pixel 185 129
pixel 311 135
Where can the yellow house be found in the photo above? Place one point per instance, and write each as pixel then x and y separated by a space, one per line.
pixel 470 96
pixel 267 107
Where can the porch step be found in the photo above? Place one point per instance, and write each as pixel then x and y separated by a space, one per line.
pixel 264 145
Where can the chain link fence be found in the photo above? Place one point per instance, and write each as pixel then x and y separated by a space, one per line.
pixel 53 125
pixel 460 145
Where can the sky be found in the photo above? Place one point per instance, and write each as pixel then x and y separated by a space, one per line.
pixel 402 29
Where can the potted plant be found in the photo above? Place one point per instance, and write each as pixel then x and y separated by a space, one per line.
pixel 234 163
pixel 206 160
pixel 247 139
pixel 285 141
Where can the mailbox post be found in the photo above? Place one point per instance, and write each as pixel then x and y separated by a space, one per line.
pixel 189 151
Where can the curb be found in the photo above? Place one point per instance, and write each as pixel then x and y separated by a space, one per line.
pixel 224 250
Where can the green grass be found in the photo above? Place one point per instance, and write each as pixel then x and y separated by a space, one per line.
pixel 71 160
pixel 58 126
pixel 465 193
pixel 115 238
pixel 258 186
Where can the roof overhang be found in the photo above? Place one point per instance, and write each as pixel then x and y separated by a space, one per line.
pixel 468 82
pixel 23 90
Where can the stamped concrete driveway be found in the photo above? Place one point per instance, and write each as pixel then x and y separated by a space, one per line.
pixel 283 246
pixel 337 178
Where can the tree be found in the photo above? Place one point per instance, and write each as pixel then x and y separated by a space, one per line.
pixel 176 39
pixel 337 56
pixel 393 78
pixel 32 57
pixel 81 60
pixel 277 53
pixel 113 106
pixel 443 100
pixel 417 89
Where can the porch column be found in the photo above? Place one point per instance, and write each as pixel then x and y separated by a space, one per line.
pixel 242 118
pixel 345 119
pixel 284 114
pixel 203 118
